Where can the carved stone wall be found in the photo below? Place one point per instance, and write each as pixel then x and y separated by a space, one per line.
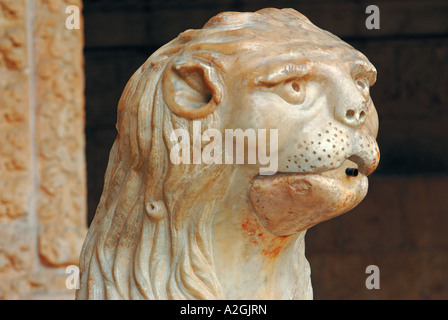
pixel 42 165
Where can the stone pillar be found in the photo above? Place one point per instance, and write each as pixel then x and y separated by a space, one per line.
pixel 42 162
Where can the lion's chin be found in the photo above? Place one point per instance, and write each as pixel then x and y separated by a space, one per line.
pixel 287 203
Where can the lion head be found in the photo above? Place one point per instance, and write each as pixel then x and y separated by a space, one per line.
pixel 223 231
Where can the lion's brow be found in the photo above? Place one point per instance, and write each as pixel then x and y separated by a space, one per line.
pixel 283 72
pixel 363 68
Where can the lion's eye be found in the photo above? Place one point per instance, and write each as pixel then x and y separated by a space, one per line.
pixel 291 91
pixel 363 86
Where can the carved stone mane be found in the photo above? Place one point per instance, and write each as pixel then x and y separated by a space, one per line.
pixel 223 231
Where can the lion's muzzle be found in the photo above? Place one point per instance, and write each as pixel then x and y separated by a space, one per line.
pixel 287 203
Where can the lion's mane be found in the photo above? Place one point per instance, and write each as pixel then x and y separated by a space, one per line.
pixel 151 235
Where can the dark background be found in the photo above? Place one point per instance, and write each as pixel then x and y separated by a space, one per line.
pixel 402 224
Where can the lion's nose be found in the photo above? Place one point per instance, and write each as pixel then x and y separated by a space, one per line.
pixel 352 109
pixel 353 116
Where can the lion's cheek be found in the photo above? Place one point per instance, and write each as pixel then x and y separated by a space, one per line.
pixel 287 204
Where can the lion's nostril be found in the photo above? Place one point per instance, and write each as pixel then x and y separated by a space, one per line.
pixel 350 114
pixel 355 116
pixel 362 115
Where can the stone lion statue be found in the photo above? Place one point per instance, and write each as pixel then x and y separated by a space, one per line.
pixel 225 231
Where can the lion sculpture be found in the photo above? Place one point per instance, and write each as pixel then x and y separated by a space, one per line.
pixel 225 231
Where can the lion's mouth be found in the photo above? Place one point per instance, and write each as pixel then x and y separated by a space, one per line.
pixel 290 202
pixel 349 174
pixel 364 166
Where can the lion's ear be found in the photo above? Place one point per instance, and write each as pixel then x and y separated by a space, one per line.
pixel 192 89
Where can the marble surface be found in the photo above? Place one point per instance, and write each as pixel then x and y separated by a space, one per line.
pixel 183 217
